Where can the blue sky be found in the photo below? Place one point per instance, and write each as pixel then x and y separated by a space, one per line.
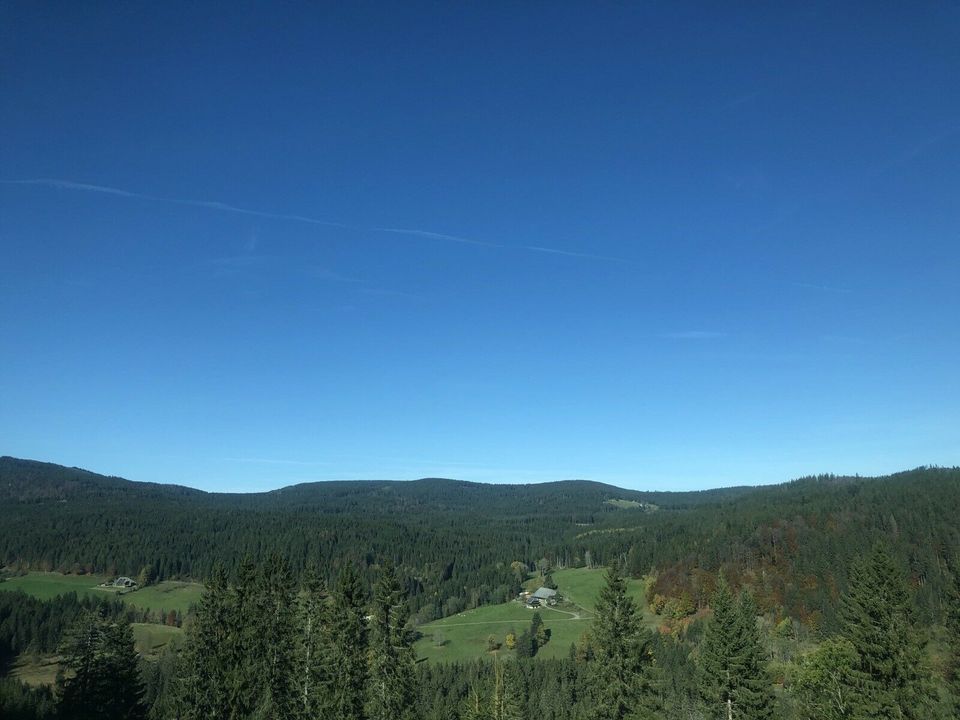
pixel 662 245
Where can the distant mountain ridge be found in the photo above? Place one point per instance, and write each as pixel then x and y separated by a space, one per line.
pixel 23 480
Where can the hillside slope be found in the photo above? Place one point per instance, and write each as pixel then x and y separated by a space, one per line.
pixel 455 541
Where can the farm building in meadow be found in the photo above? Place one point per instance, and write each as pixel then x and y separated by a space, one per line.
pixel 543 596
pixel 124 582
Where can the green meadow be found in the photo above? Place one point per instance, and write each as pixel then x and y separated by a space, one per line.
pixel 581 586
pixel 48 585
pixel 464 636
pixel 166 595
pixel 149 640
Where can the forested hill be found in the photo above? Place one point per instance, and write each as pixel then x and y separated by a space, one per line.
pixel 455 542
pixel 30 481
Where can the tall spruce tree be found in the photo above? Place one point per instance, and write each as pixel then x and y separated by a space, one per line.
pixel 953 634
pixel 504 702
pixel 80 693
pixel 242 643
pixel 733 682
pixel 105 681
pixel 474 707
pixel 526 645
pixel 620 681
pixel 313 668
pixel 238 657
pixel 205 663
pixel 891 680
pixel 755 693
pixel 273 641
pixel 349 645
pixel 391 690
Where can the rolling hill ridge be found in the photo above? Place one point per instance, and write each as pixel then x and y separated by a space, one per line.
pixel 456 542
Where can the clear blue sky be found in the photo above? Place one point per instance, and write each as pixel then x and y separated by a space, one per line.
pixel 661 245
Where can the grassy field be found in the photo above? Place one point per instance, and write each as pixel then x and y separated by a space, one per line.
pixel 624 504
pixel 464 636
pixel 166 595
pixel 149 640
pixel 48 585
pixel 581 586
pixel 34 670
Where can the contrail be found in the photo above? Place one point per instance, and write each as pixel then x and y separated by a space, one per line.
pixel 439 236
pixel 503 246
pixel 224 207
pixel 826 288
pixel 695 335
pixel 210 204
pixel 571 253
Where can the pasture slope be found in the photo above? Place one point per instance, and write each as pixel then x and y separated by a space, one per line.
pixel 149 639
pixel 465 636
pixel 166 595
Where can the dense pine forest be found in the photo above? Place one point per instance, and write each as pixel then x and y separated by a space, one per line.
pixel 825 597
pixel 453 543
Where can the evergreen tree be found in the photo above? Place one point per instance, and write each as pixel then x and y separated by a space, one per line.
pixel 890 678
pixel 538 632
pixel 160 683
pixel 953 634
pixel 473 707
pixel 312 673
pixel 526 645
pixel 80 694
pixel 348 647
pixel 504 704
pixel 620 673
pixel 19 701
pixel 391 690
pixel 755 693
pixel 205 663
pixel 273 639
pixel 238 657
pixel 239 651
pixel 733 683
pixel 105 681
